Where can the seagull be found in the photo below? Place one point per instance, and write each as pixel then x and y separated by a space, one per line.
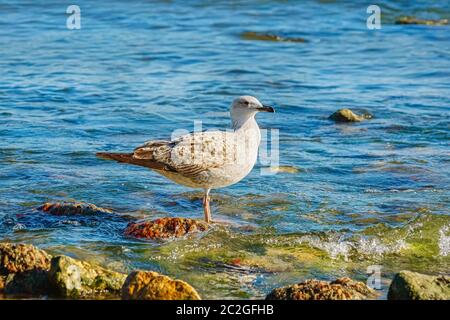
pixel 207 159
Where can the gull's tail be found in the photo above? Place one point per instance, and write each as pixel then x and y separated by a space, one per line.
pixel 128 158
pixel 121 157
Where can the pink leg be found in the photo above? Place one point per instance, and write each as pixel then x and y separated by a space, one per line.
pixel 206 208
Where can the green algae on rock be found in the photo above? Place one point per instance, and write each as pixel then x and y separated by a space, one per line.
pixel 72 208
pixel 148 285
pixel 408 285
pixel 347 115
pixel 165 228
pixel 340 289
pixel 260 36
pixel 414 20
pixel 72 278
pixel 285 169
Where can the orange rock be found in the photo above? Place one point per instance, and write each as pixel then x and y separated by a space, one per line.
pixel 164 228
pixel 148 285
pixel 340 289
pixel 22 257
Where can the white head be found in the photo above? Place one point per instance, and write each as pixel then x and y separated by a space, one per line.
pixel 246 107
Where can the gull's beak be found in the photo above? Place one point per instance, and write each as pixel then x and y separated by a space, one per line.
pixel 266 109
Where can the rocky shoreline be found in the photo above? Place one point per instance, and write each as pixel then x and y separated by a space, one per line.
pixel 27 271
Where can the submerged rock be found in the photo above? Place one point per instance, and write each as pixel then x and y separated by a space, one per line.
pixel 340 289
pixel 408 285
pixel 72 278
pixel 347 115
pixel 285 169
pixel 165 228
pixel 148 285
pixel 251 35
pixel 414 20
pixel 72 208
pixel 16 258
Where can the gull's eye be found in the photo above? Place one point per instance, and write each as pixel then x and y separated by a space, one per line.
pixel 246 103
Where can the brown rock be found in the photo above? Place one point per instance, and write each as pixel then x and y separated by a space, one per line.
pixel 2 283
pixel 414 20
pixel 340 289
pixel 148 285
pixel 72 208
pixel 16 258
pixel 165 228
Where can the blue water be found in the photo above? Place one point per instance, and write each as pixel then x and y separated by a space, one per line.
pixel 137 70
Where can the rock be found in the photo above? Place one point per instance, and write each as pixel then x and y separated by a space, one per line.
pixel 2 282
pixel 250 35
pixel 29 283
pixel 72 278
pixel 16 258
pixel 408 285
pixel 340 289
pixel 285 169
pixel 148 285
pixel 347 115
pixel 414 20
pixel 165 228
pixel 72 208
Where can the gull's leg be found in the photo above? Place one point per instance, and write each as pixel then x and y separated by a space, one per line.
pixel 206 208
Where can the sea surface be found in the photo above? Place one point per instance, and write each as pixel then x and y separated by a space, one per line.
pixel 374 193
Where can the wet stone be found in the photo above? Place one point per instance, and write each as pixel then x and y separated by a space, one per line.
pixel 260 36
pixel 16 258
pixel 165 228
pixel 148 285
pixel 347 115
pixel 340 289
pixel 414 20
pixel 408 285
pixel 72 208
pixel 73 278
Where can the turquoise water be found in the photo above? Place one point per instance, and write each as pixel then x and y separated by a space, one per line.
pixel 375 192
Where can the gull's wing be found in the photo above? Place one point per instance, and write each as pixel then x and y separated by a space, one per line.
pixel 189 154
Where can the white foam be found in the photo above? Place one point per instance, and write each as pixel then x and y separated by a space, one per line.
pixel 444 241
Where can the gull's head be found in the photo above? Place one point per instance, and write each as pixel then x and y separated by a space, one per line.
pixel 247 106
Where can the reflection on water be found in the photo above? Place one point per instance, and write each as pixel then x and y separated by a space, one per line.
pixel 349 196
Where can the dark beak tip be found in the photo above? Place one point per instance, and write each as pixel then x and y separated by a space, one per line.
pixel 268 109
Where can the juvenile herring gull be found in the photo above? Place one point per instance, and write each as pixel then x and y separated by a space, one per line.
pixel 208 159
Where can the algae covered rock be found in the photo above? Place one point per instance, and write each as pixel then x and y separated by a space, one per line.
pixel 72 208
pixel 408 285
pixel 285 169
pixel 72 278
pixel 414 20
pixel 340 289
pixel 16 258
pixel 165 228
pixel 148 285
pixel 347 115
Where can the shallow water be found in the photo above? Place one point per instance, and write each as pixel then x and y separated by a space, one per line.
pixel 372 193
